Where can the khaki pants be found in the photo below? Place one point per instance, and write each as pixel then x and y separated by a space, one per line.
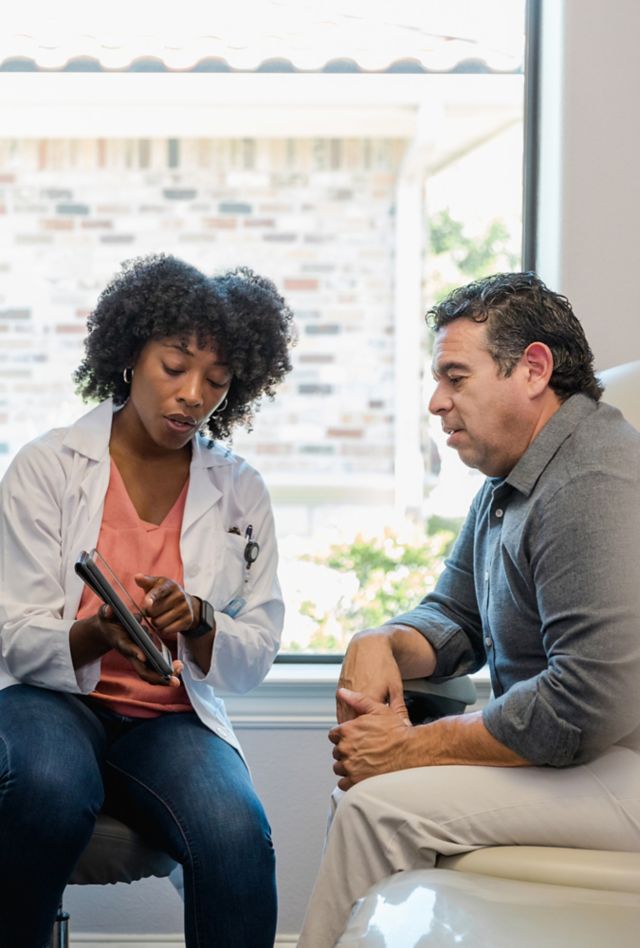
pixel 403 820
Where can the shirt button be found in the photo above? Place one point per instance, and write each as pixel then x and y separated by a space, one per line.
pixel 499 512
pixel 487 641
pixel 486 576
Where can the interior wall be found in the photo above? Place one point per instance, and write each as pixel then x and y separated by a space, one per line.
pixel 589 199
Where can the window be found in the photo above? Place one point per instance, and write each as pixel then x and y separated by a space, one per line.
pixel 365 189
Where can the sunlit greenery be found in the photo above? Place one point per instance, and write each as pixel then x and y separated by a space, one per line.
pixel 393 575
pixel 467 258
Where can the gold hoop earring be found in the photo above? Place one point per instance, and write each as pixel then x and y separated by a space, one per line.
pixel 221 407
pixel 127 369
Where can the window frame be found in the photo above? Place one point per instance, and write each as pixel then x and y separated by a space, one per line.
pixel 72 99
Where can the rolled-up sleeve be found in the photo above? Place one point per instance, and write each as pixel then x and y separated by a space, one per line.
pixel 583 549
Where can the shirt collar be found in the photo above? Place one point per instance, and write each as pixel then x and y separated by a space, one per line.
pixel 544 446
pixel 209 453
pixel 90 434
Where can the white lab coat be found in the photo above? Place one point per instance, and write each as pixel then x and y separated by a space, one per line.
pixel 51 503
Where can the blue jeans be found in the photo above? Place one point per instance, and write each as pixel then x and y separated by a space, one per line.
pixel 182 787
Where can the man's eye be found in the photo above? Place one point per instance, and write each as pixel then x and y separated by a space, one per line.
pixel 454 379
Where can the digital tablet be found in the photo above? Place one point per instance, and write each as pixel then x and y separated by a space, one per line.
pixel 94 570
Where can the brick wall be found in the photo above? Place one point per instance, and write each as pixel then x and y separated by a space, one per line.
pixel 314 215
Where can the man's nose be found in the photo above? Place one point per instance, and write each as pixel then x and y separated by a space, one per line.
pixel 439 401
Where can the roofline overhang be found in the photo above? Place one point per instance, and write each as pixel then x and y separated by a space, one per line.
pixel 214 105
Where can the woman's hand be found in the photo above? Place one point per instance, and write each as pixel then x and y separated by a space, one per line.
pixel 173 610
pixel 167 605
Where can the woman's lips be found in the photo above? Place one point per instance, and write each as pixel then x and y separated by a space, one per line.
pixel 176 423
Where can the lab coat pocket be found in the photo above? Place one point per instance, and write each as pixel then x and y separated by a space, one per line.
pixel 230 583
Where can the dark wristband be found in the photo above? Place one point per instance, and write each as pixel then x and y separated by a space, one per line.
pixel 206 624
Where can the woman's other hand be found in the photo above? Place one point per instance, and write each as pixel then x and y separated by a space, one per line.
pixel 118 638
pixel 93 637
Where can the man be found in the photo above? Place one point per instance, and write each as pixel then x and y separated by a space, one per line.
pixel 543 584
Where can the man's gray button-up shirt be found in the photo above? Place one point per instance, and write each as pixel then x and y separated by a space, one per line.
pixel 543 584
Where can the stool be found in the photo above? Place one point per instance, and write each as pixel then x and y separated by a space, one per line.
pixel 115 853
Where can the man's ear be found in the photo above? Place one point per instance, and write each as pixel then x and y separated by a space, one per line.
pixel 538 361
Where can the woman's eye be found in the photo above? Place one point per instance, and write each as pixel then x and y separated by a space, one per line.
pixel 214 384
pixel 171 371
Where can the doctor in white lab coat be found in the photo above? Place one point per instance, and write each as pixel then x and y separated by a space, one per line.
pixel 84 721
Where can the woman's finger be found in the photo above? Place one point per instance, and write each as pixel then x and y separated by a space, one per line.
pixel 173 621
pixel 159 589
pixel 153 678
pixel 129 649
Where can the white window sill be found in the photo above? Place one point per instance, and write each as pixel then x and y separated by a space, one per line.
pixel 303 696
pixel 296 672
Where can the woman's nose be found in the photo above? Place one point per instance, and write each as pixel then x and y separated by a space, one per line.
pixel 191 391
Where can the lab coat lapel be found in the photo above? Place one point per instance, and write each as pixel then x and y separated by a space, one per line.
pixel 206 462
pixel 92 491
pixel 89 439
pixel 202 495
pixel 83 526
pixel 83 530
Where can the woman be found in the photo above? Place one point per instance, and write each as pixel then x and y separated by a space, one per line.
pixel 177 359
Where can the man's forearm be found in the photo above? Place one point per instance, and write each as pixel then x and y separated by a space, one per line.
pixel 459 739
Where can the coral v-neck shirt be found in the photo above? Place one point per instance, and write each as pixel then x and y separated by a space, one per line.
pixel 131 545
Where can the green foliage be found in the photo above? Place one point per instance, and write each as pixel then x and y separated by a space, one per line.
pixel 437 524
pixel 486 254
pixel 446 234
pixel 393 573
pixel 473 257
